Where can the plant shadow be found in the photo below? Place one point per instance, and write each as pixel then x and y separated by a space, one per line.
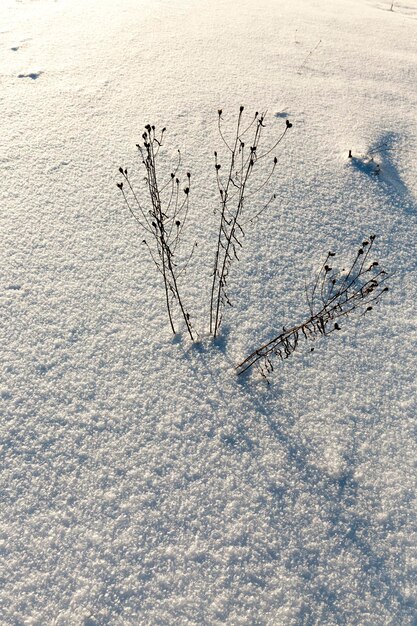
pixel 341 501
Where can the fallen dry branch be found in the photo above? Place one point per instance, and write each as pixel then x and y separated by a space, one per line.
pixel 332 297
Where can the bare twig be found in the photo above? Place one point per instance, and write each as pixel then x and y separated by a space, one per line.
pixel 303 64
pixel 163 224
pixel 243 152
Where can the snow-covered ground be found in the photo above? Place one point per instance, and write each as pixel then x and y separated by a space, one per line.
pixel 143 482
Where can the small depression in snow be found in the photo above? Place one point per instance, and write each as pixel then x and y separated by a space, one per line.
pixel 32 75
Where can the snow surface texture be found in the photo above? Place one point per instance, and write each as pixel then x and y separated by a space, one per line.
pixel 143 483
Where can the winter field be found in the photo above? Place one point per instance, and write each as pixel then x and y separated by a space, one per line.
pixel 143 482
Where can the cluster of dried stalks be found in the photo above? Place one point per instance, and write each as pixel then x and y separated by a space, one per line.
pixel 334 295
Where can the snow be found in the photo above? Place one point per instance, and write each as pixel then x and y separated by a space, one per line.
pixel 142 481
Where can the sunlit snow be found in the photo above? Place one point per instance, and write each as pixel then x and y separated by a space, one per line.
pixel 143 483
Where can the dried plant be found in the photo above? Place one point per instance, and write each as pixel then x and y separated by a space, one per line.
pixel 244 156
pixel 163 221
pixel 333 296
pixel 304 63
